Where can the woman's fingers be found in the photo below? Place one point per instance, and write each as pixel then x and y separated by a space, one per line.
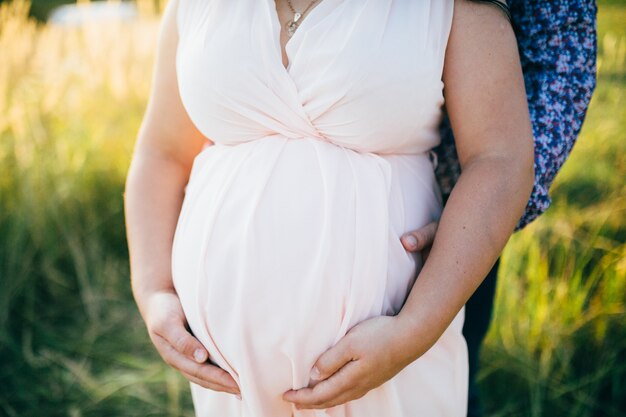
pixel 324 394
pixel 210 376
pixel 167 327
pixel 209 385
pixel 332 360
pixel 175 332
pixel 420 239
pixel 168 321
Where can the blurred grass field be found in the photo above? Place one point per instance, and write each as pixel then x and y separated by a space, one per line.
pixel 71 340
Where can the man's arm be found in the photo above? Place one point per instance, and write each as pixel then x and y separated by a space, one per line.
pixel 557 42
pixel 558 48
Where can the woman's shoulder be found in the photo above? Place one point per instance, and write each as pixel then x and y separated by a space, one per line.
pixel 194 13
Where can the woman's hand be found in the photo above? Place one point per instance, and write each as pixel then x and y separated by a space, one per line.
pixel 370 354
pixel 168 331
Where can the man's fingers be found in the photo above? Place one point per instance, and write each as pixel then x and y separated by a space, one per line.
pixel 421 238
pixel 206 372
pixel 332 360
pixel 176 334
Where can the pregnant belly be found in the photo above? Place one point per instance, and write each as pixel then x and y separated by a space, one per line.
pixel 282 245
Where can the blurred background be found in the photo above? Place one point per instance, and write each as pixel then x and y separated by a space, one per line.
pixel 72 342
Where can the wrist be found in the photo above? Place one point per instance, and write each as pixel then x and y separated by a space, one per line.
pixel 416 336
pixel 144 284
pixel 144 295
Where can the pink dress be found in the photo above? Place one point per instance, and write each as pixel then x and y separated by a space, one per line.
pixel 289 233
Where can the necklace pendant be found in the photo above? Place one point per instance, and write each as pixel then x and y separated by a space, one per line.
pixel 292 25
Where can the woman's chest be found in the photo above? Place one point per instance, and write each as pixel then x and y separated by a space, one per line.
pixel 351 64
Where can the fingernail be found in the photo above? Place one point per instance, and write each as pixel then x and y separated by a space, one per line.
pixel 410 241
pixel 315 373
pixel 199 356
pixel 238 396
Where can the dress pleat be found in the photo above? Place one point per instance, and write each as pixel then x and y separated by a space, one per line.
pixel 289 232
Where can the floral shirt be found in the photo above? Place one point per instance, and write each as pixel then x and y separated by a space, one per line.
pixel 557 43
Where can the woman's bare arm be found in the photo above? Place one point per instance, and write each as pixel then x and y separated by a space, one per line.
pixel 486 102
pixel 487 105
pixel 166 146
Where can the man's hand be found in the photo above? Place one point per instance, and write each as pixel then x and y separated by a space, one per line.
pixel 420 239
pixel 168 331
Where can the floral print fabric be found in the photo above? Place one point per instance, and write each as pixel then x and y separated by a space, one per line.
pixel 557 43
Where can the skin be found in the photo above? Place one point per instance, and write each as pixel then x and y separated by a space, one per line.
pixel 285 15
pixel 495 148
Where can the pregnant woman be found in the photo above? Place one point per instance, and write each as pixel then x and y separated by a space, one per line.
pixel 285 149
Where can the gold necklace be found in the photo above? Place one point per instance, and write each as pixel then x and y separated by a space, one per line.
pixel 293 24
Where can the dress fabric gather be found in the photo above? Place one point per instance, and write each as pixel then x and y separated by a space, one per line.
pixel 289 232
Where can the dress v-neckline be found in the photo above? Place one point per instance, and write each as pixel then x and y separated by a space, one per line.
pixel 306 21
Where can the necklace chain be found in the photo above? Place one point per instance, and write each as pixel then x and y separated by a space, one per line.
pixel 293 24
